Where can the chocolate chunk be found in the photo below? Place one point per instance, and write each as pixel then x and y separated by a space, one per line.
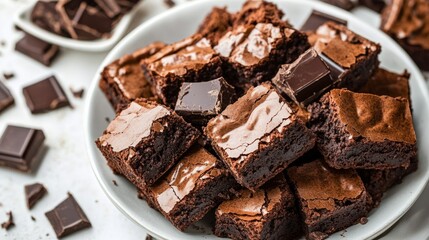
pixel 317 19
pixel 8 75
pixel 89 23
pixel 37 49
pixel 344 4
pixel 9 223
pixel 45 16
pixel 6 98
pixel 34 193
pixel 19 147
pixel 77 93
pixel 109 7
pixel 200 101
pixel 67 217
pixel 305 79
pixel 45 96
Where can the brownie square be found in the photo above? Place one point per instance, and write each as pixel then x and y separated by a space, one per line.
pixel 268 213
pixel 253 54
pixel 388 83
pixel 123 81
pixel 258 136
pixel 407 22
pixel 190 60
pixel 195 185
pixel 258 11
pixel 365 131
pixel 147 139
pixel 351 57
pixel 330 200
pixel 215 25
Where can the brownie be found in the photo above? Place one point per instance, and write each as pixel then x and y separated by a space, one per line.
pixel 384 82
pixel 190 60
pixel 268 213
pixel 365 131
pixel 215 25
pixel 147 139
pixel 122 81
pixel 330 200
pixel 194 186
pixel 199 102
pixel 253 54
pixel 37 49
pixel 408 23
pixel 258 136
pixel 351 57
pixel 259 11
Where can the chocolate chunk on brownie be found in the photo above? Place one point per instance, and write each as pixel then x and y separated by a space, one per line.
pixel 253 54
pixel 384 82
pixel 122 81
pixel 190 60
pixel 195 185
pixel 258 136
pixel 268 213
pixel 37 49
pixel 215 25
pixel 316 19
pixel 365 131
pixel 351 57
pixel 145 140
pixel 305 79
pixel 330 200
pixel 259 11
pixel 408 23
pixel 198 102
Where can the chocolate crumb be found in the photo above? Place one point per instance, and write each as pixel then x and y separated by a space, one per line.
pixel 33 218
pixel 149 237
pixel 107 119
pixel 170 3
pixel 9 223
pixel 77 93
pixel 115 183
pixel 363 220
pixel 3 43
pixel 8 75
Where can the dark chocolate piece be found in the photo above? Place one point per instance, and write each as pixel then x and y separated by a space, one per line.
pixel 376 5
pixel 344 4
pixel 67 217
pixel 258 136
pixel 363 131
pixel 6 98
pixel 45 16
pixel 201 101
pixel 109 7
pixel 145 140
pixel 37 49
pixel 19 148
pixel 9 223
pixel 45 95
pixel 317 19
pixel 77 93
pixel 304 80
pixel 330 200
pixel 89 23
pixel 34 193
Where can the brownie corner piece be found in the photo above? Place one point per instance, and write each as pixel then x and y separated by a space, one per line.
pixel 363 131
pixel 330 200
pixel 191 188
pixel 268 213
pixel 145 140
pixel 216 23
pixel 258 136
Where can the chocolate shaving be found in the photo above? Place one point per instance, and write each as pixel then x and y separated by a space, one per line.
pixel 9 223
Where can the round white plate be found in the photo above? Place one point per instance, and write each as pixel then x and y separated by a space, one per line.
pixel 182 21
pixel 22 20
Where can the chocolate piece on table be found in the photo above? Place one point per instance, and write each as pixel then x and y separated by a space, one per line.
pixel 45 95
pixel 258 11
pixel 190 60
pixel 37 49
pixel 9 223
pixel 304 80
pixel 388 83
pixel 145 140
pixel 254 53
pixel 19 148
pixel 268 213
pixel 351 58
pixel 67 217
pixel 258 136
pixel 363 131
pixel 194 186
pixel 33 193
pixel 376 5
pixel 109 7
pixel 77 93
pixel 123 80
pixel 199 102
pixel 215 25
pixel 6 98
pixel 317 19
pixel 408 23
pixel 330 200
pixel 344 4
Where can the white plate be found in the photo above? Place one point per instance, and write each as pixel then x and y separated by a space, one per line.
pixel 22 19
pixel 182 21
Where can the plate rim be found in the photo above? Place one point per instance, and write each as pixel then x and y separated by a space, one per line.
pixel 412 67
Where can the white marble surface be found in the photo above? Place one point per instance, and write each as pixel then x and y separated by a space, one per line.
pixel 66 167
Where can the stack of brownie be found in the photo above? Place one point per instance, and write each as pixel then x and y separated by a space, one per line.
pixel 282 131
